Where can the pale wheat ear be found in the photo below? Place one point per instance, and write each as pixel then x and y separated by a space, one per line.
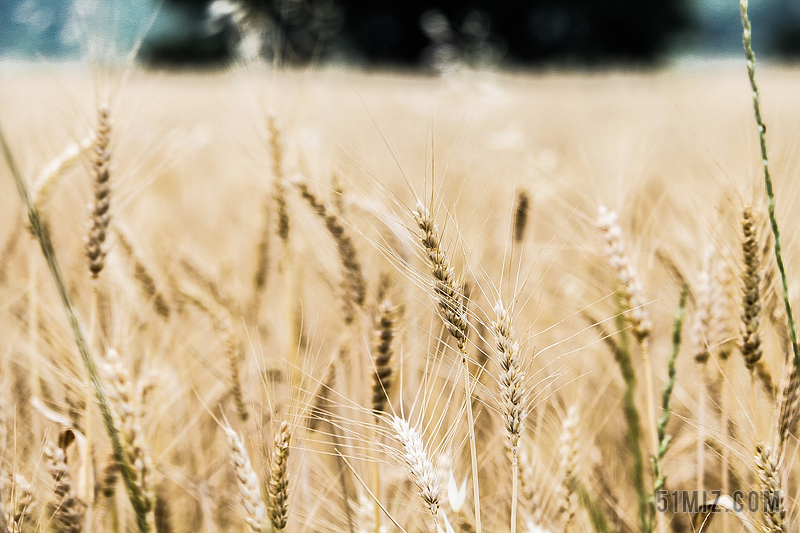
pixel 568 451
pixel 51 174
pixel 420 467
pixel 512 393
pixel 255 511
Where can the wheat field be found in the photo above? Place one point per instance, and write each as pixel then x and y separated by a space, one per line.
pixel 324 300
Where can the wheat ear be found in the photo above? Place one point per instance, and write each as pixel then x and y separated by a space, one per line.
pixel 249 485
pixel 383 351
pixel 751 292
pixel 128 418
pixel 768 473
pixel 67 510
pixel 632 300
pixel 223 325
pixel 101 214
pixel 42 234
pixel 51 173
pixel 419 465
pixel 355 288
pixel 788 407
pixel 20 508
pixel 279 478
pixel 568 451
pixel 521 213
pixel 276 151
pixel 452 306
pixel 512 393
pixel 142 275
pixel 762 131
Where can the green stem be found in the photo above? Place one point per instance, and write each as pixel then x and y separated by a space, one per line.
pixel 762 129
pixel 596 516
pixel 43 235
pixel 666 403
pixel 623 356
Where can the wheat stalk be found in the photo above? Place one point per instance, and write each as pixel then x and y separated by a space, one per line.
pixel 42 234
pixel 762 130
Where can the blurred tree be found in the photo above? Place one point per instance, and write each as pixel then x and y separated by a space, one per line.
pixel 405 33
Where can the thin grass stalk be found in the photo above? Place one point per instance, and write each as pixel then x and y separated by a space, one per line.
pixel 762 130
pixel 666 399
pixel 43 235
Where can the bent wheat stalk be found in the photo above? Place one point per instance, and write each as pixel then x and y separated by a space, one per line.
pixel 762 130
pixel 43 235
